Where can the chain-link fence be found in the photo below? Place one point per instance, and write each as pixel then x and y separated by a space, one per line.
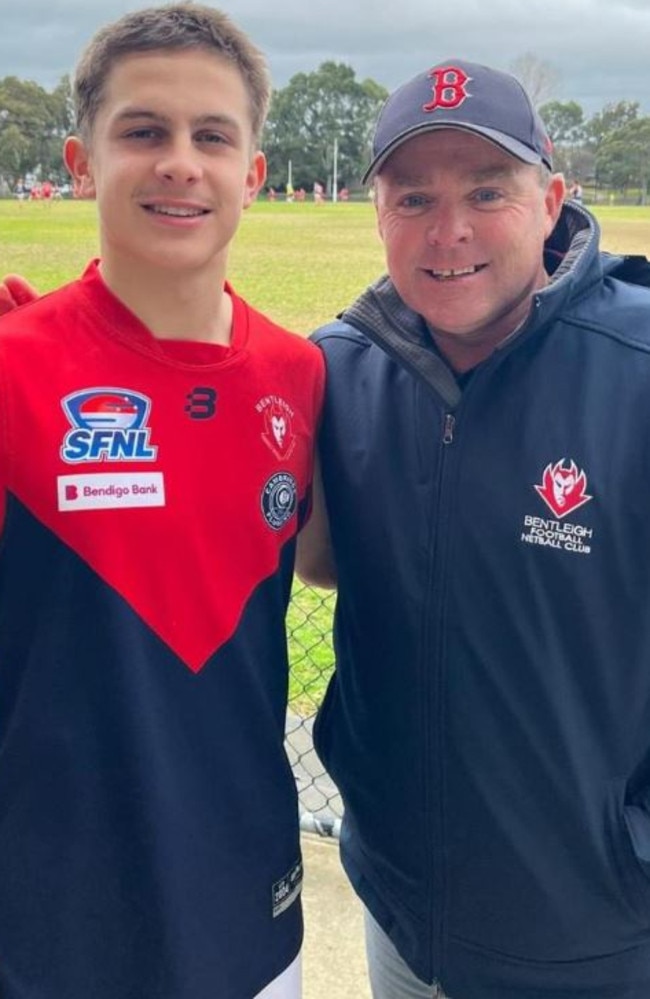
pixel 309 626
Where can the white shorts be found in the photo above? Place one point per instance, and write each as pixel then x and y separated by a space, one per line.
pixel 288 984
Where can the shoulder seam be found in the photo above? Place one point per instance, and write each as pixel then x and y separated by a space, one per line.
pixel 342 332
pixel 613 334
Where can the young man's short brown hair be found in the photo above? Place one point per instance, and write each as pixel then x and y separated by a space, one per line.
pixel 172 26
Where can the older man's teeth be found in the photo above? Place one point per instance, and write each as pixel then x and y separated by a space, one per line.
pixel 462 272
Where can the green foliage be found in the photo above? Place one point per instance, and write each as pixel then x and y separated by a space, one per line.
pixel 15 151
pixel 623 158
pixel 564 121
pixel 311 112
pixel 609 120
pixel 33 125
pixel 619 140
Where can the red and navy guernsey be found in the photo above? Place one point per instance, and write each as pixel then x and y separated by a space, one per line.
pixel 151 494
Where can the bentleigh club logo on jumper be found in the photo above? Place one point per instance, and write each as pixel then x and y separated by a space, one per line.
pixel 108 424
pixel 278 432
pixel 564 490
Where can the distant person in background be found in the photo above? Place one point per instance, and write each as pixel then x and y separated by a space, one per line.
pixel 575 192
pixel 20 190
pixel 319 192
pixel 47 191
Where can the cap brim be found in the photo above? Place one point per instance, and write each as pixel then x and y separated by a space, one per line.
pixel 505 142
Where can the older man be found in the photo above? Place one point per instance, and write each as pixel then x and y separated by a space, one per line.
pixel 486 467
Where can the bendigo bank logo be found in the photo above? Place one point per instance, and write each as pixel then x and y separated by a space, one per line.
pixel 108 424
pixel 563 487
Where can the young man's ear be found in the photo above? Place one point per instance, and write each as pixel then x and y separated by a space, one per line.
pixel 77 160
pixel 255 178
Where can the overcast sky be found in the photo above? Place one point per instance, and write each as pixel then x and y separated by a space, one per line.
pixel 600 49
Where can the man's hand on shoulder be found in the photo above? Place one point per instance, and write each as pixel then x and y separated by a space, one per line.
pixel 15 291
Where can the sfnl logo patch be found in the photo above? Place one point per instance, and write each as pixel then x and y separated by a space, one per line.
pixel 108 424
pixel 564 490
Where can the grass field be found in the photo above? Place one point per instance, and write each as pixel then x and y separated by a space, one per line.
pixel 299 263
pixel 302 264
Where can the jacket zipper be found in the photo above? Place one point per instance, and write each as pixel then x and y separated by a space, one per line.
pixel 433 707
pixel 448 432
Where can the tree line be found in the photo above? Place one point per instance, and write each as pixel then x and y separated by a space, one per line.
pixel 33 124
pixel 611 149
pixel 319 129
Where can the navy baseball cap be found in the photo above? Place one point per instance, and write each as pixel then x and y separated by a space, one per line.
pixel 466 96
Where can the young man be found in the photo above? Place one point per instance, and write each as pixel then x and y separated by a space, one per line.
pixel 155 459
pixel 485 466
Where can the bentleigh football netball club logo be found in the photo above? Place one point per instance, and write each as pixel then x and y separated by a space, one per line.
pixel 563 487
pixel 278 432
pixel 564 490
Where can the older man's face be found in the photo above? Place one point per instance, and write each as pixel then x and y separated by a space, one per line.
pixel 463 225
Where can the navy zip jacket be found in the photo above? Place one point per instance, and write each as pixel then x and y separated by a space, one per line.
pixel 488 723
